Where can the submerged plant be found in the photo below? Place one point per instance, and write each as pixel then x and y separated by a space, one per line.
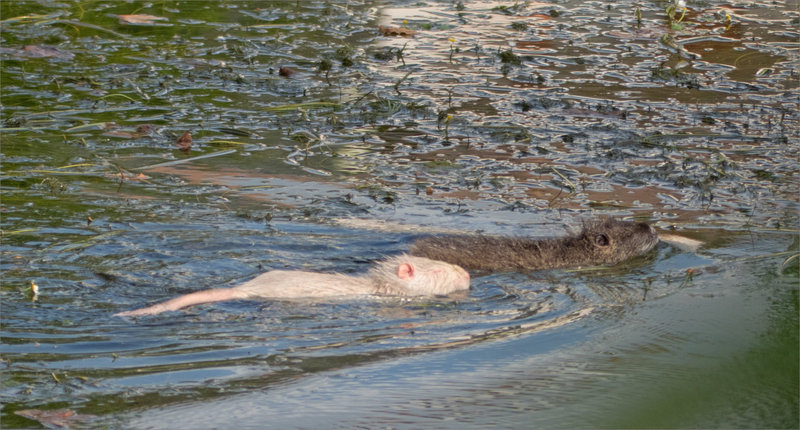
pixel 453 48
pixel 53 185
pixel 728 20
pixel 390 53
pixel 447 120
pixel 688 80
pixel 344 54
pixel 519 25
pixel 509 57
pixel 400 53
pixel 672 10
pixel 325 65
pixel 400 81
pixel 32 291
pixel 510 10
pixel 386 106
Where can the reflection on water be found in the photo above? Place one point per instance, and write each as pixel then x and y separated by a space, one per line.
pixel 499 117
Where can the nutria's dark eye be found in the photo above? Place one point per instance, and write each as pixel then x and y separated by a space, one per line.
pixel 601 240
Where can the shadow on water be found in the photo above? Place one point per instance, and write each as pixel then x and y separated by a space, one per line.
pixel 327 135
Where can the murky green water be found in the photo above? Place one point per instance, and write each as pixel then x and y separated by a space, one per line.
pixel 500 117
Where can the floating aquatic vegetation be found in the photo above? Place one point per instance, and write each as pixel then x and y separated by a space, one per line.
pixel 140 19
pixel 396 31
pixel 184 143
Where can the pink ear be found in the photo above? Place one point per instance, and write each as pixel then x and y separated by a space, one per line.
pixel 405 271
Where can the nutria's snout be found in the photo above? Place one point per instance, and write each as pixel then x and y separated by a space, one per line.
pixel 651 238
pixel 647 227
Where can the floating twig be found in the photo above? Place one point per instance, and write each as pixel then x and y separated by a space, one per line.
pixel 397 84
pixel 307 105
pixel 199 157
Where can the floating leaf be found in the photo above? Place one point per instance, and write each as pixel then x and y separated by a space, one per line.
pixel 138 19
pixel 46 51
pixel 396 31
pixel 120 133
pixel 127 176
pixel 286 72
pixel 145 129
pixel 56 417
pixel 541 16
pixel 184 142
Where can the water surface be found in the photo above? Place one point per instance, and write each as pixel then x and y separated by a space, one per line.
pixel 518 118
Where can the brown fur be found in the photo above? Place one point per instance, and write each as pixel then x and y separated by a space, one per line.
pixel 397 276
pixel 608 241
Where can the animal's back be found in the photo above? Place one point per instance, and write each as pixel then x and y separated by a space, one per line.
pixel 289 284
pixel 402 275
pixel 605 242
pixel 490 252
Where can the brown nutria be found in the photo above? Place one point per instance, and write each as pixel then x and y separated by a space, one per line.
pixel 402 275
pixel 608 241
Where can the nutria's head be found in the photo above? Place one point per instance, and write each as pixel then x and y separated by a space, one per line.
pixel 611 241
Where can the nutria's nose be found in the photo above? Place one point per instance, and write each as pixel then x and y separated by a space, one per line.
pixel 647 227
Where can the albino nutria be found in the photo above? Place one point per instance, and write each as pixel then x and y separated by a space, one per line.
pixel 402 275
pixel 608 241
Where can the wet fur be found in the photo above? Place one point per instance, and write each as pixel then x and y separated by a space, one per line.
pixel 403 275
pixel 607 241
